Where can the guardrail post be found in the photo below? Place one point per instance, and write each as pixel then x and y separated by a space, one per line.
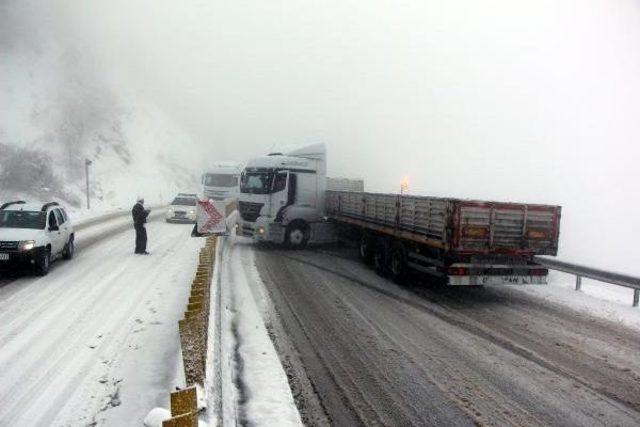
pixel 578 283
pixel 636 297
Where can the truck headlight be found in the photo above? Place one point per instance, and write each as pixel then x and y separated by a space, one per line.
pixel 261 230
pixel 26 245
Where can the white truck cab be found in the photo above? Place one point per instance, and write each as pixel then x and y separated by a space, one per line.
pixel 34 235
pixel 220 182
pixel 281 197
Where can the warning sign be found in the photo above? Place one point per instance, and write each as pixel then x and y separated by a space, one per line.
pixel 209 218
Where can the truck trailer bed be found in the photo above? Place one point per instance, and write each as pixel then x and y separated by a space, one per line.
pixel 454 237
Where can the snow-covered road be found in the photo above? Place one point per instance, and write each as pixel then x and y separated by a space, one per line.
pixel 95 341
pixel 375 353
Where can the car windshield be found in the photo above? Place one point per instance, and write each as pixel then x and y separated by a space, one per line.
pixel 22 219
pixel 256 182
pixel 184 201
pixel 220 180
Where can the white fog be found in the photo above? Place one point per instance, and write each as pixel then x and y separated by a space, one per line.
pixel 174 252
pixel 529 101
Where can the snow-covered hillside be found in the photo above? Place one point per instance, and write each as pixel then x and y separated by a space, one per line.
pixel 58 108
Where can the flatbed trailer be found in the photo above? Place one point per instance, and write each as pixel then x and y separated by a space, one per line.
pixel 458 242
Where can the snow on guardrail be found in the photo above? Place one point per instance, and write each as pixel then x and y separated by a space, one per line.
pixel 581 271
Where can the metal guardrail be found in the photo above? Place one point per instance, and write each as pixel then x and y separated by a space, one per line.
pixel 581 271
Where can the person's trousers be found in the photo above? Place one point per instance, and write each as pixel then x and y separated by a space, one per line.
pixel 141 239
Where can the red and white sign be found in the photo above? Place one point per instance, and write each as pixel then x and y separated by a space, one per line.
pixel 210 217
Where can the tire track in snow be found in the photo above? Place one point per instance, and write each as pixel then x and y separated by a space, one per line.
pixel 26 284
pixel 352 280
pixel 472 326
pixel 64 358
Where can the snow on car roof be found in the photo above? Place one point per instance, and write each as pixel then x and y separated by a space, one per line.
pixel 24 207
pixel 35 207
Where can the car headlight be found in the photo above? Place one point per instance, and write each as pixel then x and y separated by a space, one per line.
pixel 192 212
pixel 26 245
pixel 170 210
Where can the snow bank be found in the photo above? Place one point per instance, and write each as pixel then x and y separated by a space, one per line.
pixel 156 416
pixel 599 299
pixel 255 387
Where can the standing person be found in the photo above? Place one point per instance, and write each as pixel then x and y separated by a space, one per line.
pixel 140 215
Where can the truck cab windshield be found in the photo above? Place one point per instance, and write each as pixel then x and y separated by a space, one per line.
pixel 22 219
pixel 256 182
pixel 220 180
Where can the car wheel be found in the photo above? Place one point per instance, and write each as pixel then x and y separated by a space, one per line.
pixel 297 235
pixel 43 262
pixel 69 249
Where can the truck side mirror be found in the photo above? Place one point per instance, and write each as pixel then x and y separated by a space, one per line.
pixel 291 192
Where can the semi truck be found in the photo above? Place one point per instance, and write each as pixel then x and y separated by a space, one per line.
pixel 220 182
pixel 284 199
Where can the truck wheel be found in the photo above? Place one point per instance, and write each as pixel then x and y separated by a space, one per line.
pixel 43 262
pixel 365 249
pixel 398 263
pixel 297 235
pixel 69 249
pixel 380 257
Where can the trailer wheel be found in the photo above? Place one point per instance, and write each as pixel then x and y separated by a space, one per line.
pixel 380 257
pixel 297 235
pixel 398 267
pixel 365 248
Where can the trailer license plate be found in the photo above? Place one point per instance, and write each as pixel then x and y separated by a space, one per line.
pixel 4 257
pixel 516 280
pixel 506 280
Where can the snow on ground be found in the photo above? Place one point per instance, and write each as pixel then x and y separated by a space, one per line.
pixel 599 299
pixel 95 342
pixel 254 385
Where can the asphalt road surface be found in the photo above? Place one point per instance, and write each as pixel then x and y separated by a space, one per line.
pixel 360 350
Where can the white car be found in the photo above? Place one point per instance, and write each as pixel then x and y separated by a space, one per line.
pixel 34 235
pixel 182 209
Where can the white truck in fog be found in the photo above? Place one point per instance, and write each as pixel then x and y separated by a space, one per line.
pixel 220 182
pixel 281 197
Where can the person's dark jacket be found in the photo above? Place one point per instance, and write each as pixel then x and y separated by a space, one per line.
pixel 139 214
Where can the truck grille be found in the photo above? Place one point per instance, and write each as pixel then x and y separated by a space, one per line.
pixel 215 195
pixel 249 211
pixel 8 246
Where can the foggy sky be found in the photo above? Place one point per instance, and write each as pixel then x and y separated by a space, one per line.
pixel 506 99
